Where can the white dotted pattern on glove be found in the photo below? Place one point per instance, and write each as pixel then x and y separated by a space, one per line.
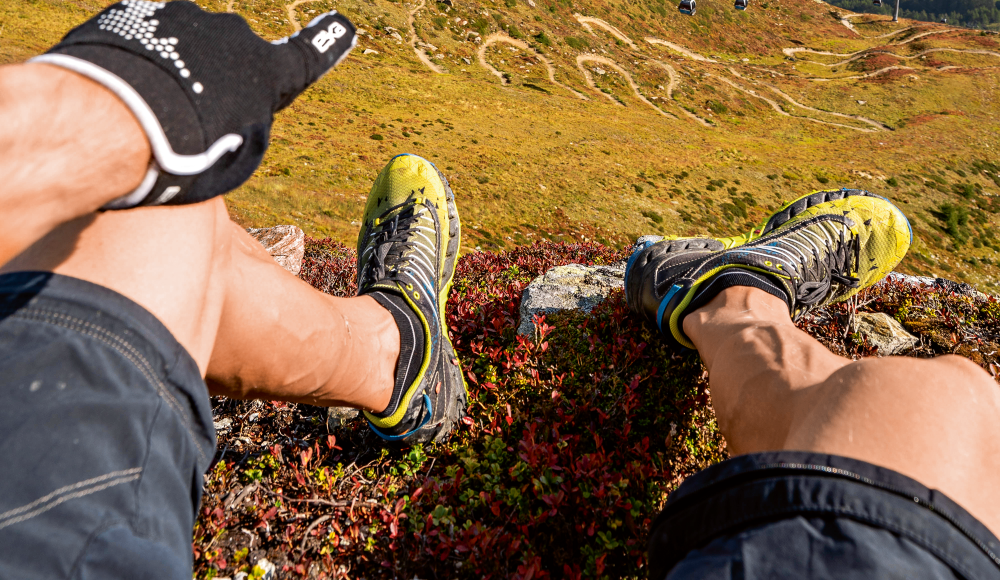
pixel 134 23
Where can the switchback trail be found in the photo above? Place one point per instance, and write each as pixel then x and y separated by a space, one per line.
pixel 670 92
pixel 774 105
pixel 608 62
pixel 680 49
pixel 862 53
pixel 586 21
pixel 779 92
pixel 413 39
pixel 501 37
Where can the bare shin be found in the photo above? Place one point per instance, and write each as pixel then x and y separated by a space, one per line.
pixel 775 387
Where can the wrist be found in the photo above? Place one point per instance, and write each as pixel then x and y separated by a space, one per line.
pixel 69 143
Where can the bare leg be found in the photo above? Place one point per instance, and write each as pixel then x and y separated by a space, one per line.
pixel 254 329
pixel 775 387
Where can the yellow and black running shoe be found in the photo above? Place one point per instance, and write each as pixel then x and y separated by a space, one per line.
pixel 821 248
pixel 407 249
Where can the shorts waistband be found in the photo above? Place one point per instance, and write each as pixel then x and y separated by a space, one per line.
pixel 751 489
pixel 124 326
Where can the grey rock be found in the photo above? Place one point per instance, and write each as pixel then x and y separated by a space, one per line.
pixel 287 244
pixel 338 417
pixel 570 287
pixel 223 424
pixel 911 280
pixel 641 242
pixel 961 288
pixel 884 333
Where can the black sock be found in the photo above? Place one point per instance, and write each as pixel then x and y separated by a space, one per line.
pixel 411 344
pixel 737 277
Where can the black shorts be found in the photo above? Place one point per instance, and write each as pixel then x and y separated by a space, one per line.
pixel 105 431
pixel 794 514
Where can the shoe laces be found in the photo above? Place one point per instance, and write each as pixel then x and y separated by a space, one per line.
pixel 392 250
pixel 837 249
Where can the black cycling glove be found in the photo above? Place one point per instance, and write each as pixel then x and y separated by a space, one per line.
pixel 203 86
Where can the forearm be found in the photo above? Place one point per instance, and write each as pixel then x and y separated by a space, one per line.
pixel 67 147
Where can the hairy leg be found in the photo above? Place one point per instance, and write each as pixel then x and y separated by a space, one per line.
pixel 253 329
pixel 67 147
pixel 775 387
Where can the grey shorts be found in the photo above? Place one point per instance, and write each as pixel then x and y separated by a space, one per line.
pixel 795 514
pixel 105 431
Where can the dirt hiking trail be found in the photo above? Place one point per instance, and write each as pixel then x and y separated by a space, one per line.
pixel 499 37
pixel 290 8
pixel 413 40
pixel 608 62
pixel 680 49
pixel 586 21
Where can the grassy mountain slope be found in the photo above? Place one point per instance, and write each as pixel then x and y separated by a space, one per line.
pixel 720 135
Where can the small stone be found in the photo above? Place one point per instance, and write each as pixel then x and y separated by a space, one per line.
pixel 338 417
pixel 570 287
pixel 223 424
pixel 369 51
pixel 884 333
pixel 744 60
pixel 267 570
pixel 287 244
pixel 466 61
pixel 862 102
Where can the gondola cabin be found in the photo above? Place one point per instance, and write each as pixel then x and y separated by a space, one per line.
pixel 740 4
pixel 687 7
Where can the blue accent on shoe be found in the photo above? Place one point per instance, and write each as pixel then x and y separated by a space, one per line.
pixel 663 305
pixel 430 412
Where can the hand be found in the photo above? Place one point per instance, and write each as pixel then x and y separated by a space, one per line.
pixel 203 87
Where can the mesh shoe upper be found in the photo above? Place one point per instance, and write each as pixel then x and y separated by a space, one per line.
pixel 824 250
pixel 408 246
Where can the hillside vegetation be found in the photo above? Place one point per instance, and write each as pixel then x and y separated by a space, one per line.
pixel 574 438
pixel 579 120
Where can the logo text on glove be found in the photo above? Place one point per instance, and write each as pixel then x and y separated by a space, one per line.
pixel 326 38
